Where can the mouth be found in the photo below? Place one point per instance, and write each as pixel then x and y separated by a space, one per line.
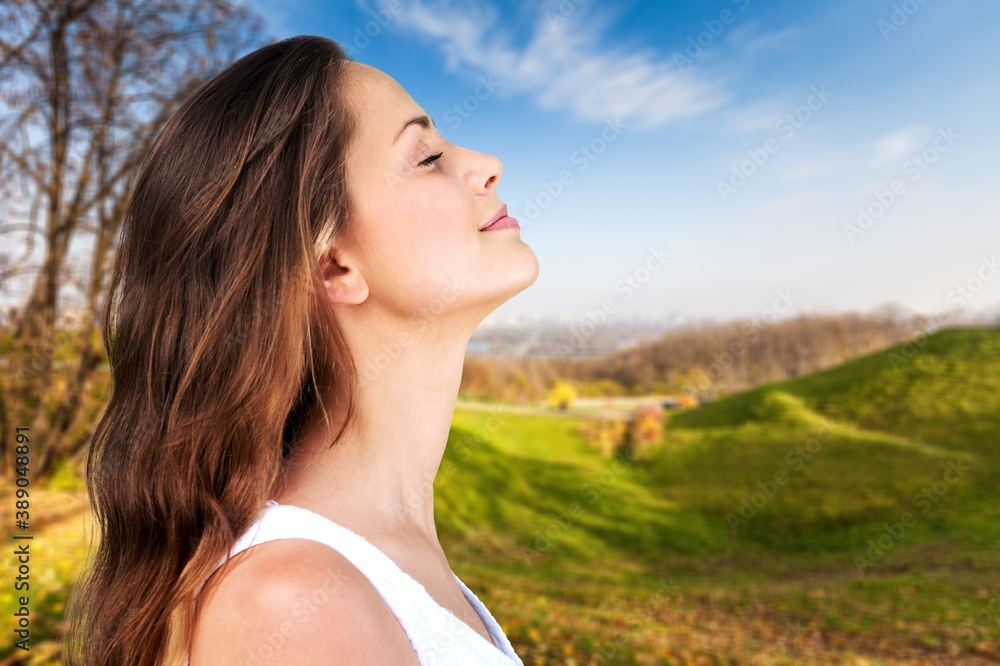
pixel 500 221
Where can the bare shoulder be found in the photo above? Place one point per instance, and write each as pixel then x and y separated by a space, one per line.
pixel 295 601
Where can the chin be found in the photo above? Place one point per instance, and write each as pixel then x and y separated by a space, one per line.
pixel 522 271
pixel 497 284
pixel 520 275
pixel 533 272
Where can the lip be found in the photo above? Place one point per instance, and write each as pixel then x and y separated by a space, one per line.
pixel 500 220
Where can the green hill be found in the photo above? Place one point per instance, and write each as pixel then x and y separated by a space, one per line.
pixel 943 389
pixel 844 517
pixel 903 415
pixel 860 500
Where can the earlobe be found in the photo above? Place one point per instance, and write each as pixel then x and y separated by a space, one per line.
pixel 343 281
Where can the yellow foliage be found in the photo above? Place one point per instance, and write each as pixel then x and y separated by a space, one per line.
pixel 647 425
pixel 604 433
pixel 562 394
pixel 686 401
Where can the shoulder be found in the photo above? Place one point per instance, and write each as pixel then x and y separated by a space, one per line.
pixel 295 601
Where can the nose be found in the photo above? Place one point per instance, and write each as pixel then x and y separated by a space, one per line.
pixel 485 172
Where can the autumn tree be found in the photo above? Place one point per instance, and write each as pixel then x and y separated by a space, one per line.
pixel 86 86
pixel 645 427
pixel 562 394
pixel 606 433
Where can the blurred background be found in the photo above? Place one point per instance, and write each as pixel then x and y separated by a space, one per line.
pixel 748 413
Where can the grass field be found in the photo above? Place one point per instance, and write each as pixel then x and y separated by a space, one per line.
pixel 846 517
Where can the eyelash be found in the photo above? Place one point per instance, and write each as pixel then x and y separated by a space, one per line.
pixel 430 160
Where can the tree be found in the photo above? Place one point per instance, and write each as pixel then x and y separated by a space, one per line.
pixel 562 394
pixel 87 85
pixel 606 433
pixel 647 425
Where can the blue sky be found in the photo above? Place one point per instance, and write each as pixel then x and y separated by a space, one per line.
pixel 832 155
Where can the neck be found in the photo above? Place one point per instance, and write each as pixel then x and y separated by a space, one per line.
pixel 381 473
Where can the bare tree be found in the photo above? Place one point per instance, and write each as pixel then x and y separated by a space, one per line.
pixel 86 85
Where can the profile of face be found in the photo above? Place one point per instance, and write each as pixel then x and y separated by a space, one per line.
pixel 420 201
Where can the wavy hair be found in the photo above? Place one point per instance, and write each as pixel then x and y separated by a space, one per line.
pixel 222 345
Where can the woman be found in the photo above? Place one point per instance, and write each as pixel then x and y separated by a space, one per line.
pixel 302 264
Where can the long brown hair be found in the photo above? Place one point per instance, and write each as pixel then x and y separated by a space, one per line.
pixel 221 345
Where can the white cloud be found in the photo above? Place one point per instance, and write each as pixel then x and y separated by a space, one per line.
pixel 758 116
pixel 811 169
pixel 897 146
pixel 564 65
pixel 784 204
pixel 749 38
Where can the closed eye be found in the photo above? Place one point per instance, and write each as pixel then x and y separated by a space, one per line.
pixel 430 160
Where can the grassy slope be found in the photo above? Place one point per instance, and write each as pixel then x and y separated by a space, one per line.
pixel 894 431
pixel 905 413
pixel 588 560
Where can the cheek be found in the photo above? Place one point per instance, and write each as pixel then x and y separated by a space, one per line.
pixel 415 246
pixel 429 218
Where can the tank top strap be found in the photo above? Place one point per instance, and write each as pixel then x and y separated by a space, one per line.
pixel 437 634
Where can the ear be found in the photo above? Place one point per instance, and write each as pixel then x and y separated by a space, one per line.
pixel 344 283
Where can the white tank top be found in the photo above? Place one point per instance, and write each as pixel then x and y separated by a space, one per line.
pixel 438 636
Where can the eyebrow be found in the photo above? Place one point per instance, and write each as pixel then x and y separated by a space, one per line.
pixel 424 121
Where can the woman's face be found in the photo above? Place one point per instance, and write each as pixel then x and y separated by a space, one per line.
pixel 415 236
